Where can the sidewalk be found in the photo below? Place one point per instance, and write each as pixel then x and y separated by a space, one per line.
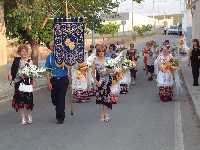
pixel 194 92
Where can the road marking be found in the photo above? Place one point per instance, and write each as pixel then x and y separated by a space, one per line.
pixel 179 143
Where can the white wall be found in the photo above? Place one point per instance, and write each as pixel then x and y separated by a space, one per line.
pixel 187 24
pixel 196 21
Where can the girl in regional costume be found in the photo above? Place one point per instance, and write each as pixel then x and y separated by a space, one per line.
pixel 145 54
pixel 127 65
pixel 133 55
pixel 80 87
pixel 90 80
pixel 115 88
pixel 165 66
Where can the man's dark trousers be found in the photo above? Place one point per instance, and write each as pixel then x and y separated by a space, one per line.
pixel 58 94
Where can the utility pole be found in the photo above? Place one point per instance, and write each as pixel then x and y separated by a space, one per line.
pixel 154 15
pixel 70 71
pixel 132 15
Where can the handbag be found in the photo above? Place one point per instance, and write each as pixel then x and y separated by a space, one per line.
pixel 25 87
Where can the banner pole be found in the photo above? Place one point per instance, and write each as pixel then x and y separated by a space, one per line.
pixel 70 73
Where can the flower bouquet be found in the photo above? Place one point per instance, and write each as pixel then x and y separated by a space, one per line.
pixel 27 73
pixel 31 71
pixel 170 66
pixel 118 75
pixel 82 71
pixel 128 64
pixel 109 64
pixel 174 64
pixel 115 88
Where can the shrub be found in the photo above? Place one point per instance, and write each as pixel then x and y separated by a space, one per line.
pixel 142 29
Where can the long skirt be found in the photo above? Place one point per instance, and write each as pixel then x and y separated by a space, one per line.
pixel 91 91
pixel 80 95
pixel 22 100
pixel 103 93
pixel 166 93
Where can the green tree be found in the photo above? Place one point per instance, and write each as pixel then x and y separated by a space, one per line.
pixel 102 30
pixel 29 20
pixel 110 28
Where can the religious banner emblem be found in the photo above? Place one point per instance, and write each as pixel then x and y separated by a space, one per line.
pixel 69 40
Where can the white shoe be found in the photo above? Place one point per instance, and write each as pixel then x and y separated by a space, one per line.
pixel 30 119
pixel 107 118
pixel 24 121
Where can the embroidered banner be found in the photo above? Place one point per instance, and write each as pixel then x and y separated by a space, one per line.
pixel 69 40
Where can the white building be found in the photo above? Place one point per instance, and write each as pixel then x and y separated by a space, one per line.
pixel 196 19
pixel 187 22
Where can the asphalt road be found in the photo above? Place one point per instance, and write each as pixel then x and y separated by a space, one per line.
pixel 139 122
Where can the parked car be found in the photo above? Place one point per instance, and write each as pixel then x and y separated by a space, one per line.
pixel 174 30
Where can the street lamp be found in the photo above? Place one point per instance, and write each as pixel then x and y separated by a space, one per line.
pixel 154 24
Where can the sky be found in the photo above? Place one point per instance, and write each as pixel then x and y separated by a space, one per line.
pixel 146 8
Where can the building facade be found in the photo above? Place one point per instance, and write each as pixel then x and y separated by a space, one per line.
pixel 195 19
pixel 187 22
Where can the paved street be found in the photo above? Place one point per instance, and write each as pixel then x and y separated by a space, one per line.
pixel 139 122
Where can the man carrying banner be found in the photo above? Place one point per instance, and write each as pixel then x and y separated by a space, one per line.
pixel 58 84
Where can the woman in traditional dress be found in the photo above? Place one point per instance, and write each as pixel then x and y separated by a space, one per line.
pixel 22 101
pixel 145 54
pixel 165 77
pixel 151 57
pixel 133 56
pixel 103 83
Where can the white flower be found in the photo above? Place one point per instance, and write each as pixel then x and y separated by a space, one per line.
pixel 31 71
pixel 109 63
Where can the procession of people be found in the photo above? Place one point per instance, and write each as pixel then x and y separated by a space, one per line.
pixel 107 73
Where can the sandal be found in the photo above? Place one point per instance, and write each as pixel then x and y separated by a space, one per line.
pixel 107 119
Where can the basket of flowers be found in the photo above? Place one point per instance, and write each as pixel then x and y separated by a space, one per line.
pixel 170 66
pixel 128 64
